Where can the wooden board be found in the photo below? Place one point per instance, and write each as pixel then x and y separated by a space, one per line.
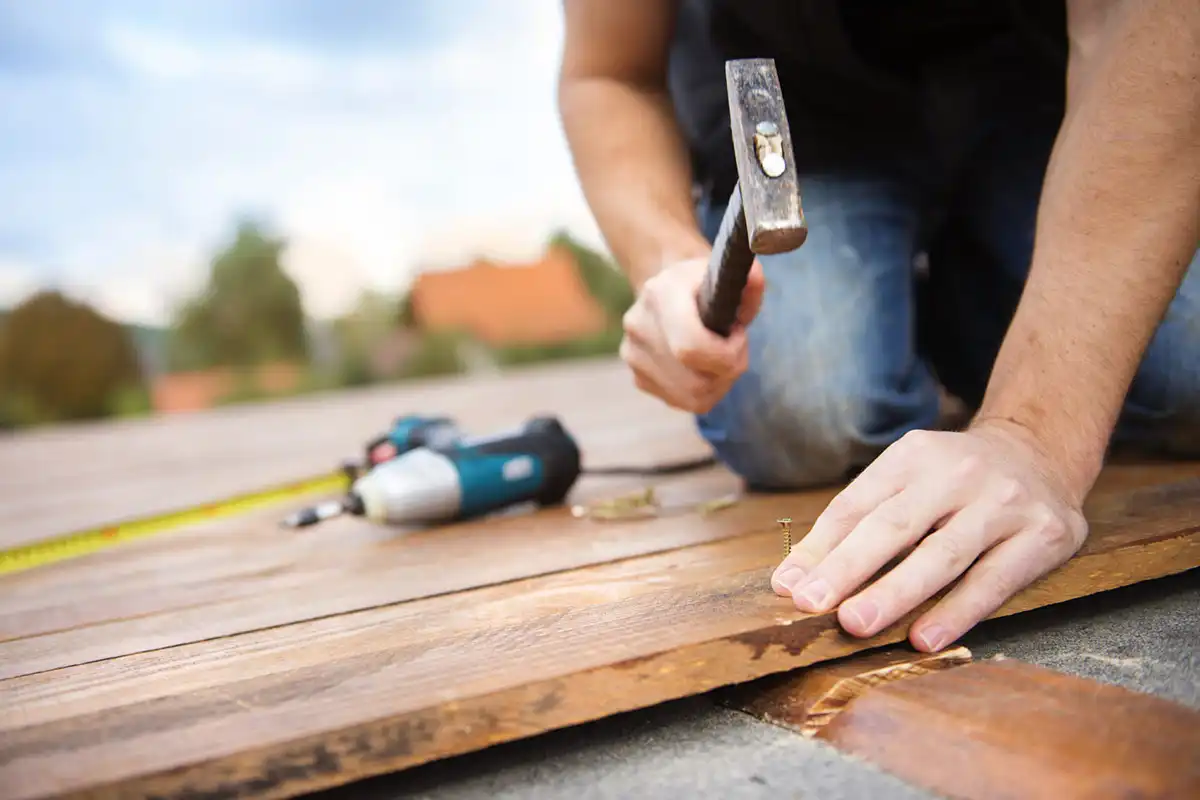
pixel 806 700
pixel 1005 729
pixel 68 477
pixel 282 709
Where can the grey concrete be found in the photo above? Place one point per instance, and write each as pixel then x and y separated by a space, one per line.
pixel 1145 637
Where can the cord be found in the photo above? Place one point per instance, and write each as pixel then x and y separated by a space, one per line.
pixel 669 468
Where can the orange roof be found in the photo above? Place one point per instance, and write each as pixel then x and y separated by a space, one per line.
pixel 542 302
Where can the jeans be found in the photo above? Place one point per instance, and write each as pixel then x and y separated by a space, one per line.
pixel 908 279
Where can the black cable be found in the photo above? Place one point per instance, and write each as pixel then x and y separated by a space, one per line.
pixel 669 468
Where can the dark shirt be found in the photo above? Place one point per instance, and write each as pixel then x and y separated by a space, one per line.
pixel 857 75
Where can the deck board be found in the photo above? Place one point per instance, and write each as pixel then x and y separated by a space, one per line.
pixel 235 658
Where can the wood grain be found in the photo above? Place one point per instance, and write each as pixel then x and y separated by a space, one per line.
pixel 805 701
pixel 1006 729
pixel 290 709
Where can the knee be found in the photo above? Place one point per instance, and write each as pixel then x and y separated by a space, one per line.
pixel 1163 406
pixel 807 415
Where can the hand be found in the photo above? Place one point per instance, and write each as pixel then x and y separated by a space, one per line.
pixel 672 355
pixel 988 491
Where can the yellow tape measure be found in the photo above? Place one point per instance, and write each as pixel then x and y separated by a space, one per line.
pixel 90 540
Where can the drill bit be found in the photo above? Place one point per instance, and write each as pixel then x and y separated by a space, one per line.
pixel 314 514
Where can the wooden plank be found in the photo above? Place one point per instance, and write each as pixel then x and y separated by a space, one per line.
pixel 805 701
pixel 232 562
pixel 365 570
pixel 72 476
pixel 1005 729
pixel 228 560
pixel 293 709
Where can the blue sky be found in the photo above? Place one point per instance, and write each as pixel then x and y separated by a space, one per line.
pixel 377 135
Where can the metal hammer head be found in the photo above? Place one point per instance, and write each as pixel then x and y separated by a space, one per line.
pixel 762 145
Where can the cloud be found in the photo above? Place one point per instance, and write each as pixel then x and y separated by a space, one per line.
pixel 380 138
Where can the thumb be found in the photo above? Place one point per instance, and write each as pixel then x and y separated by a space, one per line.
pixel 752 295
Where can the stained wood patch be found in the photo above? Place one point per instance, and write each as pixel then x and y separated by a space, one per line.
pixel 1004 729
pixel 808 699
pixel 290 709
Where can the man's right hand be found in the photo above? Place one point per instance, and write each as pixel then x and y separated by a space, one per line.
pixel 672 355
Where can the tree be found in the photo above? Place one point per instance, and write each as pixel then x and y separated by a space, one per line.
pixel 63 360
pixel 249 313
pixel 604 281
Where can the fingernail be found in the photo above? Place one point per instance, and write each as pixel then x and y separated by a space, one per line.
pixel 933 637
pixel 815 593
pixel 788 578
pixel 862 614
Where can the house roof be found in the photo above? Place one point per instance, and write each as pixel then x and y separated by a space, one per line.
pixel 540 302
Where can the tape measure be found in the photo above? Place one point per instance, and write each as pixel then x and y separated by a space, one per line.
pixel 89 540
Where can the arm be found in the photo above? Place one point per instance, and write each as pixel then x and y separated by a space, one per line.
pixel 618 120
pixel 1119 222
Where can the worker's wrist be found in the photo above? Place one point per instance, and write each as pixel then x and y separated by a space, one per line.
pixel 665 250
pixel 1071 447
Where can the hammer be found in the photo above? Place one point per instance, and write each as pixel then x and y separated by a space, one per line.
pixel 764 214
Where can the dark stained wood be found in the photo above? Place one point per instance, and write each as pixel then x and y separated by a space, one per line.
pixel 808 699
pixel 290 709
pixel 1006 729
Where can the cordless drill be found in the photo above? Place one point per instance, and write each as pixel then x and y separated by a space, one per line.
pixel 537 462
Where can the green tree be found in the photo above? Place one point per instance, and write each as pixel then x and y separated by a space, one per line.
pixel 63 360
pixel 602 278
pixel 249 312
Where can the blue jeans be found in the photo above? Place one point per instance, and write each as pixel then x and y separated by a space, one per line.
pixel 853 339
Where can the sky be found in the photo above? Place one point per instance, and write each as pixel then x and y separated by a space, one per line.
pixel 376 136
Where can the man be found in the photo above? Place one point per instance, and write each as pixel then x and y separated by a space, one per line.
pixel 1042 170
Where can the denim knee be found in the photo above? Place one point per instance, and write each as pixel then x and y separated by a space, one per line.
pixel 834 377
pixel 1162 410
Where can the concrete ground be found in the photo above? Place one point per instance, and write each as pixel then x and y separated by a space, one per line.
pixel 1145 637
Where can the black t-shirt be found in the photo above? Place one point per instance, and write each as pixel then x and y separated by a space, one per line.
pixel 852 71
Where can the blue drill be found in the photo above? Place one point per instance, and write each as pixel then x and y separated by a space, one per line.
pixel 537 462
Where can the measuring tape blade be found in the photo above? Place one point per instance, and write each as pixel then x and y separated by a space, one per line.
pixel 89 540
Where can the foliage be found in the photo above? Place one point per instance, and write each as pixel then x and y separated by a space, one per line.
pixel 604 281
pixel 438 353
pixel 63 360
pixel 249 312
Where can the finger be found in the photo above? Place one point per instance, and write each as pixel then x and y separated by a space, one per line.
pixel 1005 570
pixel 874 485
pixel 884 532
pixel 752 295
pixel 941 557
pixel 695 346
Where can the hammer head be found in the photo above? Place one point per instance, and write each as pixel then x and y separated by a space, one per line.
pixel 762 145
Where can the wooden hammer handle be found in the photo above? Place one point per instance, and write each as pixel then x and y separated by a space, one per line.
pixel 728 268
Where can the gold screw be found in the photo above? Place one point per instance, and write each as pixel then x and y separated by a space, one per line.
pixel 786 524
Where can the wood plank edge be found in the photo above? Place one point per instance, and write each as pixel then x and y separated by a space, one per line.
pixel 388 744
pixel 805 700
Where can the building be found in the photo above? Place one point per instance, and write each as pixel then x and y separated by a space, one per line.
pixel 540 302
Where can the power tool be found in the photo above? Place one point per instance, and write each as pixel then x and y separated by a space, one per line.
pixel 537 462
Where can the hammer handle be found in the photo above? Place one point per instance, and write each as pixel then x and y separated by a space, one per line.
pixel 728 268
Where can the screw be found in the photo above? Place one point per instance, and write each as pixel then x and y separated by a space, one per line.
pixel 785 523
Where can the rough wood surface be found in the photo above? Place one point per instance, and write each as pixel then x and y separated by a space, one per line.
pixel 808 699
pixel 281 710
pixel 1006 729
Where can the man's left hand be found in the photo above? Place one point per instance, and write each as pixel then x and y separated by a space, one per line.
pixel 985 501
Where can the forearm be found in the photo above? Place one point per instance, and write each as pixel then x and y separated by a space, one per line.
pixel 633 168
pixel 1118 223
